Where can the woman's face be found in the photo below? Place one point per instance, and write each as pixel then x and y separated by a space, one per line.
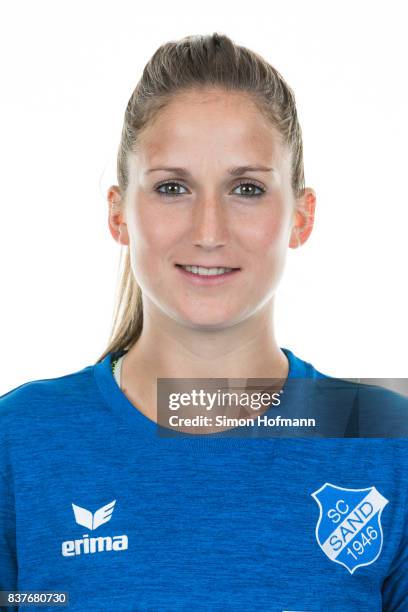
pixel 210 213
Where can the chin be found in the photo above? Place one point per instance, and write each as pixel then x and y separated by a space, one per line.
pixel 206 322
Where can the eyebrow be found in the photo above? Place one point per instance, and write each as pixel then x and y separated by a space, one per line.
pixel 235 171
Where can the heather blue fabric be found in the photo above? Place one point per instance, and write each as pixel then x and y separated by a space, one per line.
pixel 193 523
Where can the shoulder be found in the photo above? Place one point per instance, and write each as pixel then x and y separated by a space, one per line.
pixel 382 409
pixel 43 398
pixel 375 411
pixel 372 410
pixel 368 391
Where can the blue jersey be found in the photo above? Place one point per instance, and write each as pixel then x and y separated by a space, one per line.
pixel 95 504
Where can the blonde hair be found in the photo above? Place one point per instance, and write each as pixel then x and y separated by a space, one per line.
pixel 194 62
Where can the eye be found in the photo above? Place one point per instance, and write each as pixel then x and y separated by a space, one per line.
pixel 251 195
pixel 166 193
pixel 176 185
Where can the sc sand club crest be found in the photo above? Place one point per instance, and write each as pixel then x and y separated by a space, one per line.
pixel 88 545
pixel 349 528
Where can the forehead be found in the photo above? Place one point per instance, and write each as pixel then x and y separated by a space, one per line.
pixel 214 123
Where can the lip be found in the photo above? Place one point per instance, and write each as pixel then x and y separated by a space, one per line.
pixel 217 279
pixel 207 265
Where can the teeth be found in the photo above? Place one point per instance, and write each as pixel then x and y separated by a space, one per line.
pixel 206 271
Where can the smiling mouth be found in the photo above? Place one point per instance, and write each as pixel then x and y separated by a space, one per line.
pixel 205 275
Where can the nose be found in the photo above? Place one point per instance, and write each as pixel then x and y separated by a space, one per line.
pixel 209 223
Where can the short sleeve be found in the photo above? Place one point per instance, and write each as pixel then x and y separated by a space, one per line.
pixel 8 556
pixel 395 586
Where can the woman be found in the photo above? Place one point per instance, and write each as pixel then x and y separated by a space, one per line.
pixel 210 195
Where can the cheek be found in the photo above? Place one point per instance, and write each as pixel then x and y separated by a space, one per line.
pixel 150 231
pixel 267 236
pixel 151 241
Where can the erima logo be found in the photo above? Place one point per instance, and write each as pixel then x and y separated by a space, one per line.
pixel 91 521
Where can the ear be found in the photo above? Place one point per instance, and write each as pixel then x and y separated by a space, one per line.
pixel 303 218
pixel 116 219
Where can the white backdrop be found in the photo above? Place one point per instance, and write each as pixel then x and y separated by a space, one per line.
pixel 68 70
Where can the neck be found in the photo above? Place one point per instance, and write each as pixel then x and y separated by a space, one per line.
pixel 168 349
